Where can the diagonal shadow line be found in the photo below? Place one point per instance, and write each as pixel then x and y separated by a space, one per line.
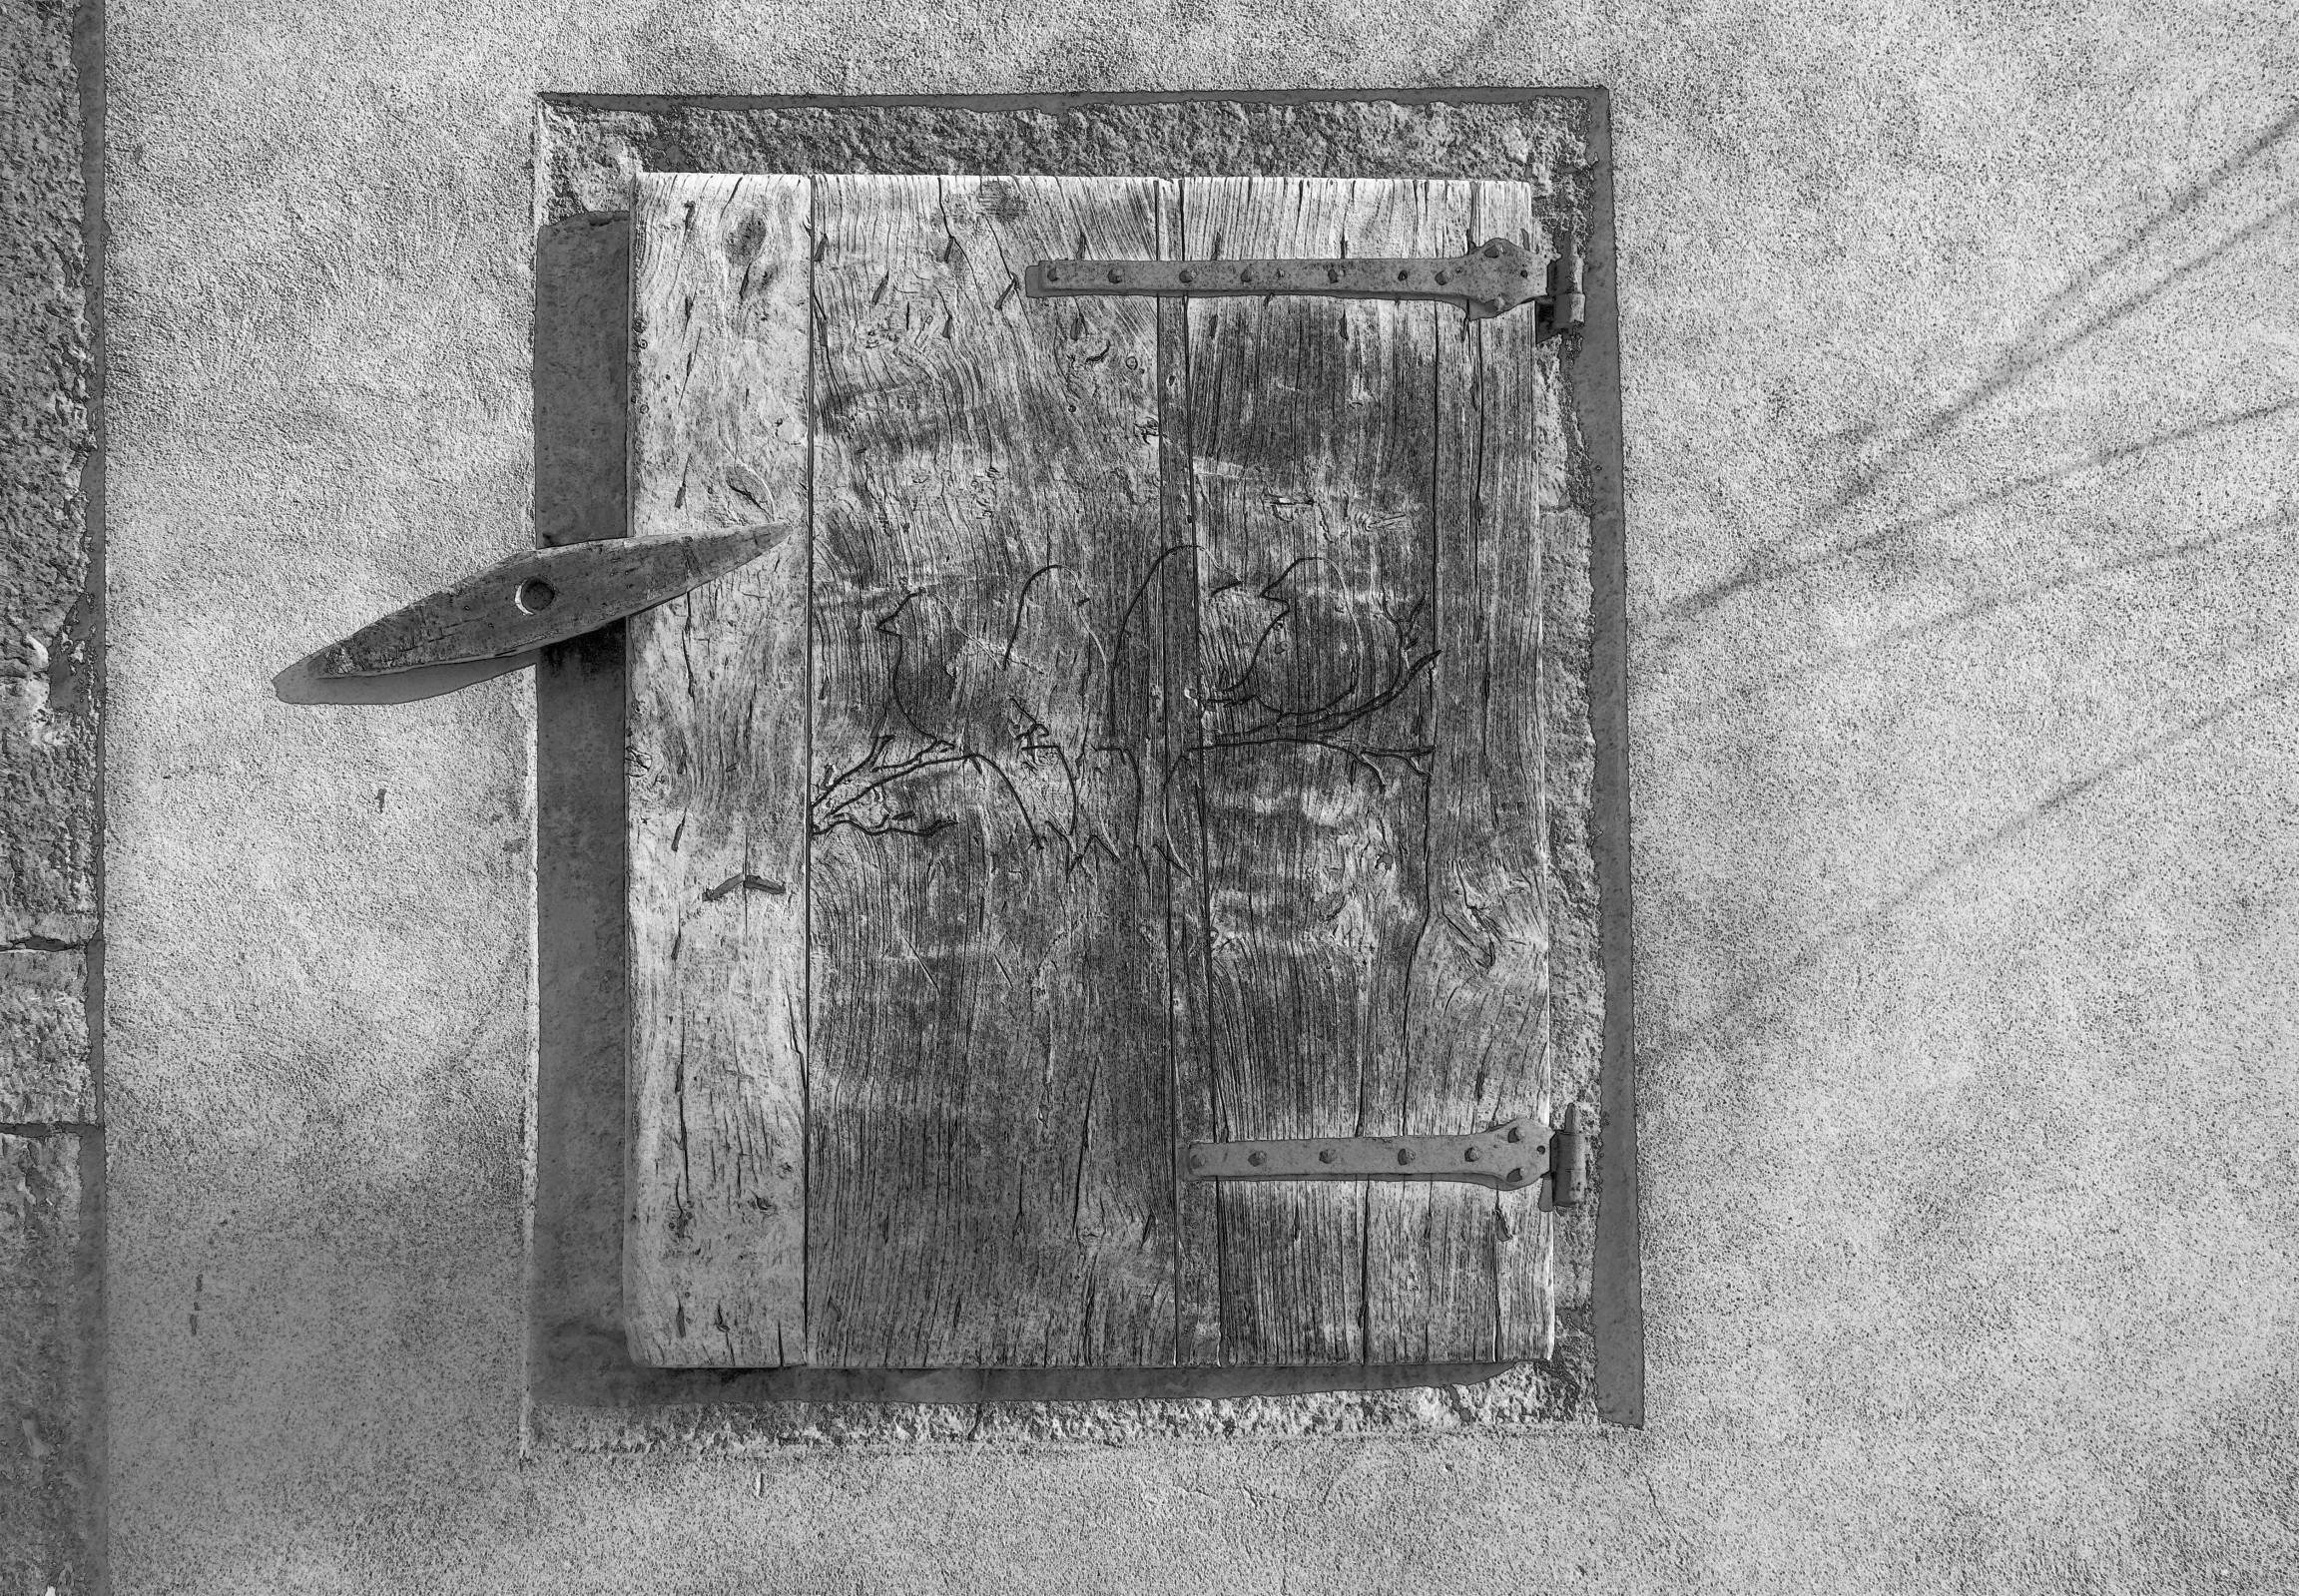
pixel 2180 204
pixel 1724 1024
pixel 1755 574
pixel 2100 571
pixel 2026 354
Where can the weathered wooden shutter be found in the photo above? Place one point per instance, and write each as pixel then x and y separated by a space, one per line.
pixel 1140 748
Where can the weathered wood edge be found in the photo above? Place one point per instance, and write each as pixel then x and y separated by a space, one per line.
pixel 1517 361
pixel 715 1235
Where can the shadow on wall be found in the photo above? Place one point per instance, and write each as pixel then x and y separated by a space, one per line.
pixel 1965 512
pixel 302 682
pixel 2147 272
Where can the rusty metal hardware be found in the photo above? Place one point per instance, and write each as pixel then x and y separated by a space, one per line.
pixel 1566 304
pixel 543 596
pixel 1493 277
pixel 1506 1158
pixel 1568 1160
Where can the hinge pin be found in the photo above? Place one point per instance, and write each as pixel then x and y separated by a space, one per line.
pixel 1568 1162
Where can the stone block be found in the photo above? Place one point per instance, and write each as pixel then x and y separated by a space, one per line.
pixel 47 1323
pixel 48 611
pixel 44 1061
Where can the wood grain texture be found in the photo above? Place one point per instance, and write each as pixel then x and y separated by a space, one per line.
pixel 1521 404
pixel 1197 1212
pixel 1455 1271
pixel 715 1237
pixel 1151 753
pixel 1313 429
pixel 991 1113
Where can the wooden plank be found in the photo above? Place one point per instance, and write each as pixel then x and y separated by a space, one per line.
pixel 715 1237
pixel 1197 1217
pixel 991 1112
pixel 1521 398
pixel 1312 425
pixel 1457 1272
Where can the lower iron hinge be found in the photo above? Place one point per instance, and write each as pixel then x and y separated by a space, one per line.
pixel 1508 1158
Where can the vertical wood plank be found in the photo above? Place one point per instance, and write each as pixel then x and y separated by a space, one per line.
pixel 1458 1271
pixel 1313 424
pixel 715 1235
pixel 991 1112
pixel 1523 445
pixel 1197 1217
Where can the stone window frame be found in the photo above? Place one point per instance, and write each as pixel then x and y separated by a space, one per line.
pixel 582 1390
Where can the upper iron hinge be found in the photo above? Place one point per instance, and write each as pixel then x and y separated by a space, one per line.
pixel 1494 278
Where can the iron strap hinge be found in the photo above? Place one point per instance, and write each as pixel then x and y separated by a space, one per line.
pixel 1495 276
pixel 1508 1158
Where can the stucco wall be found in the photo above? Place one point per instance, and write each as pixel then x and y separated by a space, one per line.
pixel 1959 392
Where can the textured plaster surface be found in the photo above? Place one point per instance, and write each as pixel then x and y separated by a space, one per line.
pixel 1961 379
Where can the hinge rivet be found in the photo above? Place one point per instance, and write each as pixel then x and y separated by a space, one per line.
pixel 1326 1155
pixel 1188 275
pixel 1404 1155
pixel 1516 1133
pixel 1197 1161
pixel 1114 277
pixel 1257 1160
pixel 1471 1154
